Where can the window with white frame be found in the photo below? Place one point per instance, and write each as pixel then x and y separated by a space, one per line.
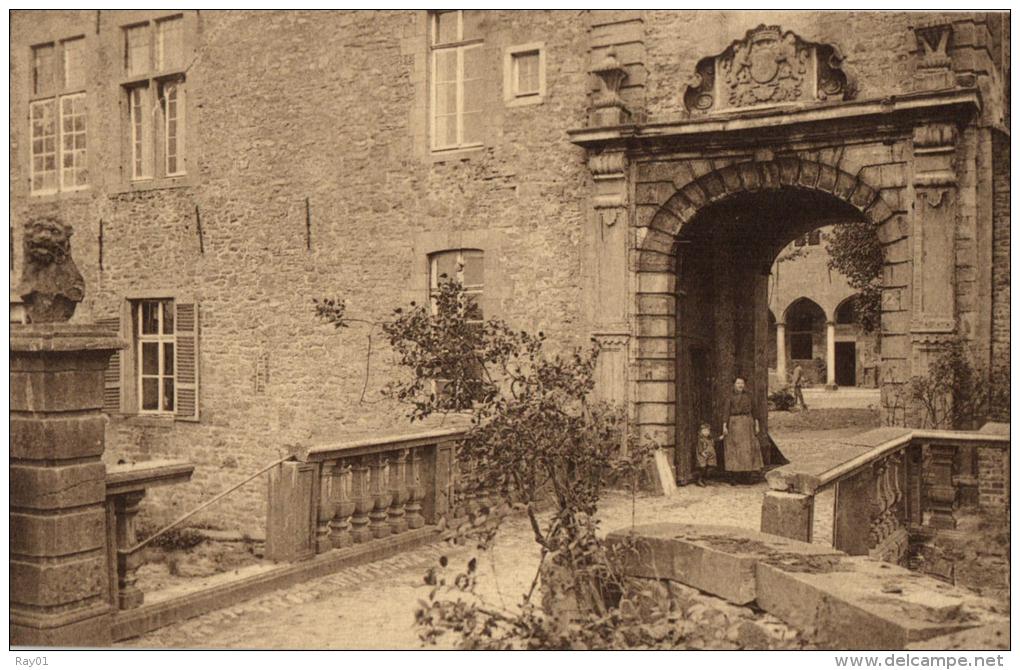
pixel 467 267
pixel 524 74
pixel 154 337
pixel 154 64
pixel 457 77
pixel 158 374
pixel 58 118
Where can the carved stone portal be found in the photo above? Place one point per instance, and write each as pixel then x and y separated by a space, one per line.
pixel 767 67
pixel 51 285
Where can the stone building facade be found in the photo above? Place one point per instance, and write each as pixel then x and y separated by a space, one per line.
pixel 223 168
pixel 812 322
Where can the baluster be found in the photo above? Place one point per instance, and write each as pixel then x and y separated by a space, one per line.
pixel 340 532
pixel 878 504
pixel 325 512
pixel 398 492
pixel 126 507
pixel 415 489
pixel 899 504
pixel 380 496
pixel 360 531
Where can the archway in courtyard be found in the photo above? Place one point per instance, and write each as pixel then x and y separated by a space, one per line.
pixel 805 339
pixel 724 327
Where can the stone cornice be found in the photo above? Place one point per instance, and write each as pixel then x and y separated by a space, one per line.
pixel 776 123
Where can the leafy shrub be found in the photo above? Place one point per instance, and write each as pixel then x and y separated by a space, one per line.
pixel 781 400
pixel 955 393
pixel 536 434
pixel 856 252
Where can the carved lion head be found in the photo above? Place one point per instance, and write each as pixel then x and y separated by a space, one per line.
pixel 47 240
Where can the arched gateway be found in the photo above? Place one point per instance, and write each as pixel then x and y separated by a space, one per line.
pixel 689 215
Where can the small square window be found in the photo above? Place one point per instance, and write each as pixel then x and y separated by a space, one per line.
pixel 169 44
pixel 136 49
pixel 74 63
pixel 524 75
pixel 43 69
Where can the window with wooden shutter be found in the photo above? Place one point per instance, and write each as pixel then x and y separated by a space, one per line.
pixel 111 391
pixel 186 367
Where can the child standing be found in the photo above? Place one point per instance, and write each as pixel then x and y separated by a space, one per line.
pixel 706 453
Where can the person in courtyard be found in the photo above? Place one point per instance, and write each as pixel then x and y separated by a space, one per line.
pixel 706 454
pixel 798 384
pixel 742 457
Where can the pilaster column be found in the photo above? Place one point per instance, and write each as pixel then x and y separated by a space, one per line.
pixel 934 230
pixel 781 353
pixel 936 205
pixel 59 572
pixel 830 355
pixel 610 295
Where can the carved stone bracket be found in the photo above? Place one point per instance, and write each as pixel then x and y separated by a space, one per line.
pixel 609 173
pixel 767 67
pixel 608 108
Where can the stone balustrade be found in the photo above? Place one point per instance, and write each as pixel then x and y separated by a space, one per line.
pixel 338 495
pixel 888 482
pixel 126 486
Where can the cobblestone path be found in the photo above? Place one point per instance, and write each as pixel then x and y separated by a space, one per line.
pixel 372 606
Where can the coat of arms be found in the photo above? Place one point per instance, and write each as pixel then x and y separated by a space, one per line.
pixel 765 67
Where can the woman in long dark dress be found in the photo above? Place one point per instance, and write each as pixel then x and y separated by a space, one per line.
pixel 742 455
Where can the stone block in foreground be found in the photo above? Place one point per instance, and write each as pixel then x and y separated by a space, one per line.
pixel 846 602
pixel 720 560
pixel 867 604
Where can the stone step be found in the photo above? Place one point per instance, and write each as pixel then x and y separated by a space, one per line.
pixel 850 602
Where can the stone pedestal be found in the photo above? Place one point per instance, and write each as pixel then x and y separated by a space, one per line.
pixel 58 562
pixel 789 515
pixel 291 515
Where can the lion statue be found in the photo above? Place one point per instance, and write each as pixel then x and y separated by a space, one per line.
pixel 51 285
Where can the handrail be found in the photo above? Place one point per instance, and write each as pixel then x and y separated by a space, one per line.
pixel 126 478
pixel 789 478
pixel 185 517
pixel 325 452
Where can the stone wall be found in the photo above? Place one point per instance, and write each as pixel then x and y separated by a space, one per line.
pixel 323 108
pixel 309 174
pixel 1001 271
pixel 993 480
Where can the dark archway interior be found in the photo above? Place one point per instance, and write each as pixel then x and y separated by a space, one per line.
pixel 845 311
pixel 805 328
pixel 724 256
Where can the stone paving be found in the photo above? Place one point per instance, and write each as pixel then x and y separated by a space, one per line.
pixel 372 606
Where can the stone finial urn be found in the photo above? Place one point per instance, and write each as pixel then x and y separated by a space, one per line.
pixel 51 285
pixel 608 108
